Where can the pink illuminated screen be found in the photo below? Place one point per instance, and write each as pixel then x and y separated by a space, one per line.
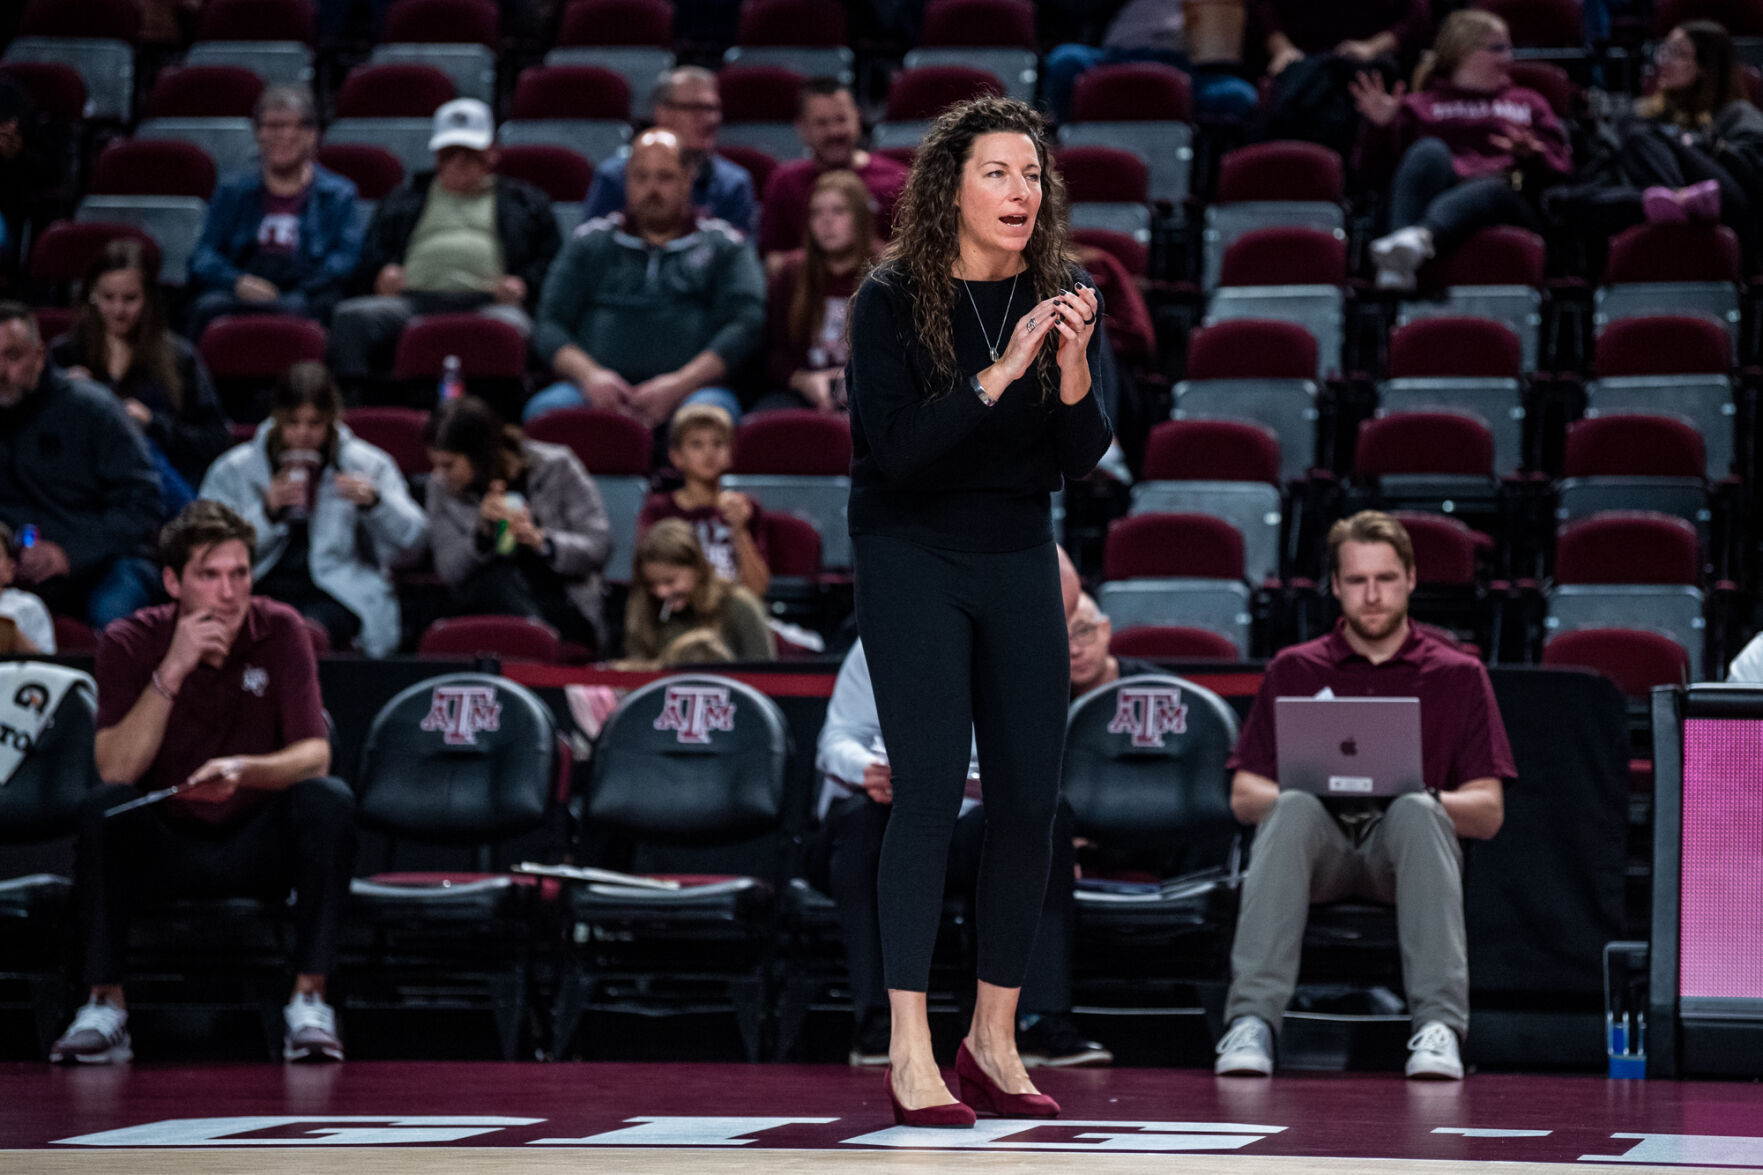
pixel 1721 948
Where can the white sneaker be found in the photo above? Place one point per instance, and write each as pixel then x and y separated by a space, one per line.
pixel 1246 1050
pixel 1401 281
pixel 99 1035
pixel 1404 250
pixel 312 1030
pixel 1432 1053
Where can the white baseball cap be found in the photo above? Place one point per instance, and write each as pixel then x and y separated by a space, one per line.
pixel 463 122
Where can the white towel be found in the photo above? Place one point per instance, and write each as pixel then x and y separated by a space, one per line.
pixel 30 693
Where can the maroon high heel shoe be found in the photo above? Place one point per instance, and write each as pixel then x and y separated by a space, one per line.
pixel 949 1114
pixel 982 1093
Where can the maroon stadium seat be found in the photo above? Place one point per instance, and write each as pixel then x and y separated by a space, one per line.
pixel 1455 345
pixel 396 431
pixel 1132 92
pixel 562 174
pixel 66 249
pixel 759 93
pixel 792 545
pixel 1741 18
pixel 1132 255
pixel 1664 344
pixel 1103 175
pixel 1635 660
pixel 1211 450
pixel 442 22
pixel 923 93
pixel 1280 171
pixel 57 90
pixel 616 22
pixel 1502 255
pixel 118 20
pixel 757 163
pixel 1549 80
pixel 1158 545
pixel 147 167
pixel 374 171
pixel 979 22
pixel 1633 445
pixel 608 443
pixel 1673 253
pixel 1285 257
pixel 1627 546
pixel 1251 348
pixel 792 22
pixel 394 91
pixel 487 348
pixel 205 91
pixel 571 91
pixel 256 20
pixel 1423 442
pixel 512 638
pixel 1172 642
pixel 798 441
pixel 1445 549
pixel 1540 24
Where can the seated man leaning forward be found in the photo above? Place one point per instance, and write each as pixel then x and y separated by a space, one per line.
pixel 650 308
pixel 1310 850
pixel 215 695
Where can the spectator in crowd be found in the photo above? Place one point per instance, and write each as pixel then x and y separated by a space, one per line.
pixel 810 294
pixel 517 526
pixel 79 472
pixel 332 511
pixel 1315 51
pixel 676 592
pixel 1695 145
pixel 1475 150
pixel 458 238
pixel 1147 30
pixel 700 443
pixel 119 339
pixel 234 677
pixel 1404 850
pixel 855 803
pixel 31 629
pixel 34 160
pixel 282 239
pixel 1092 665
pixel 687 104
pixel 831 128
pixel 652 307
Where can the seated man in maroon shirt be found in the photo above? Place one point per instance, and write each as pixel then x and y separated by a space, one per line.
pixel 216 694
pixel 828 121
pixel 1407 852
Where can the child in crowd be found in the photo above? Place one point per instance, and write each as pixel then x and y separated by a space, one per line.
pixel 675 593
pixel 728 525
pixel 25 626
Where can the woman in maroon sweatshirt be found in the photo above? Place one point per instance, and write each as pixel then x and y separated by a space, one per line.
pixel 1474 149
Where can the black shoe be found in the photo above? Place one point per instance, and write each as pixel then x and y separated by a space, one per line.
pixel 1055 1042
pixel 869 1043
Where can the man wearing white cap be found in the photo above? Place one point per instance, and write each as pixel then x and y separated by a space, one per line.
pixel 457 238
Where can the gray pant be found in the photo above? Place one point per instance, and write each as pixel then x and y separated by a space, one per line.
pixel 1410 857
pixel 364 332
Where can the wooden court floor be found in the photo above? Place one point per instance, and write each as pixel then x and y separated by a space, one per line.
pixel 367 1118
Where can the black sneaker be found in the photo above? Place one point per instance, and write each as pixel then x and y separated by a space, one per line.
pixel 1055 1042
pixel 869 1043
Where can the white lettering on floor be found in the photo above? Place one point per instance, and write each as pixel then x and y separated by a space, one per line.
pixel 387 1131
pixel 1489 1132
pixel 1687 1148
pixel 1088 1136
pixel 683 1132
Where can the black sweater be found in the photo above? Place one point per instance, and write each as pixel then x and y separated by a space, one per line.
pixel 932 464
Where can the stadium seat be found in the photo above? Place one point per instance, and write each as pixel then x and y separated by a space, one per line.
pixel 1703 402
pixel 798 461
pixel 563 175
pixel 395 431
pixel 1636 661
pixel 1226 468
pixel 1552 82
pixel 1671 269
pixel 1551 30
pixel 247 354
pixel 74 636
pixel 1261 370
pixel 160 187
pixel 615 449
pixel 63 252
pixel 809 36
pixel 1171 642
pixel 462 765
pixel 271 38
pixel 916 96
pixel 1108 189
pixel 1183 569
pixel 1496 273
pixel 1663 344
pixel 1438 462
pixel 1291 274
pixel 511 638
pixel 1635 462
pixel 997 36
pixel 757 163
pixel 1143 108
pixel 95 38
pixel 373 170
pixel 457 37
pixel 759 109
pixel 1271 185
pixel 692 769
pixel 486 348
pixel 1458 364
pixel 1145 775
pixel 204 91
pixel 632 38
pixel 1451 591
pixel 582 108
pixel 1630 569
pixel 392 106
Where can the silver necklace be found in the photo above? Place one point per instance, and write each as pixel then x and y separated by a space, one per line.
pixel 992 345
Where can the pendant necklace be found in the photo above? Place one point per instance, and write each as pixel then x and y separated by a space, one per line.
pixel 992 345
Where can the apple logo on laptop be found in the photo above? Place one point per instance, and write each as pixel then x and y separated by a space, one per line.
pixel 1349 746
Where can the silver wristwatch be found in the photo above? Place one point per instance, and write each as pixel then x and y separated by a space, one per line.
pixel 980 391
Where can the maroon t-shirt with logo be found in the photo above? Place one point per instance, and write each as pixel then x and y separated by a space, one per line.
pixel 1461 734
pixel 715 534
pixel 262 698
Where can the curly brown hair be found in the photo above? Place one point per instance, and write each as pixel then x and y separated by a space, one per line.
pixel 926 241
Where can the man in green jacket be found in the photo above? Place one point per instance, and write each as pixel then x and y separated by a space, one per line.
pixel 650 308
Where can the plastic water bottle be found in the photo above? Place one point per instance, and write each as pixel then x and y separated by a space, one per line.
pixel 452 379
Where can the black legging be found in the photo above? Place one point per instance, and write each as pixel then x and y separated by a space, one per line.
pixel 964 646
pixel 1427 191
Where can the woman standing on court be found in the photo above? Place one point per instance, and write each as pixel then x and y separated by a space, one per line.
pixel 973 350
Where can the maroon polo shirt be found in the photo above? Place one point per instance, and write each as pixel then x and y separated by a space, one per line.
pixel 1461 734
pixel 261 699
pixel 783 214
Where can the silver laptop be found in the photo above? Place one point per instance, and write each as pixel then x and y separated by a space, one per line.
pixel 1348 748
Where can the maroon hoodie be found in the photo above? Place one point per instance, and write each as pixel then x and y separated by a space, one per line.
pixel 1467 121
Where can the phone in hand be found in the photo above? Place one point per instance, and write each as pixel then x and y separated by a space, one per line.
pixel 27 536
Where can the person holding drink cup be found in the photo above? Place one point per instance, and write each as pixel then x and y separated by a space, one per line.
pixel 320 499
pixel 517 526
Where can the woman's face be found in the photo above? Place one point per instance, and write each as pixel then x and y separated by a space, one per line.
pixel 120 296
pixel 671 585
pixel 832 223
pixel 454 470
pixel 1676 61
pixel 305 428
pixel 1000 193
pixel 1489 66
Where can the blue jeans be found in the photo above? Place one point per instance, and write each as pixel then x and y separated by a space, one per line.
pixel 1216 92
pixel 564 394
pixel 125 586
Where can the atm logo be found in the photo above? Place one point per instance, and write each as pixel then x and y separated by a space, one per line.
pixel 1148 713
pixel 696 710
pixel 460 712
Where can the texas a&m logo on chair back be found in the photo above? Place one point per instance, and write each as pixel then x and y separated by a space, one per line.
pixel 1148 712
pixel 694 709
pixel 460 712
